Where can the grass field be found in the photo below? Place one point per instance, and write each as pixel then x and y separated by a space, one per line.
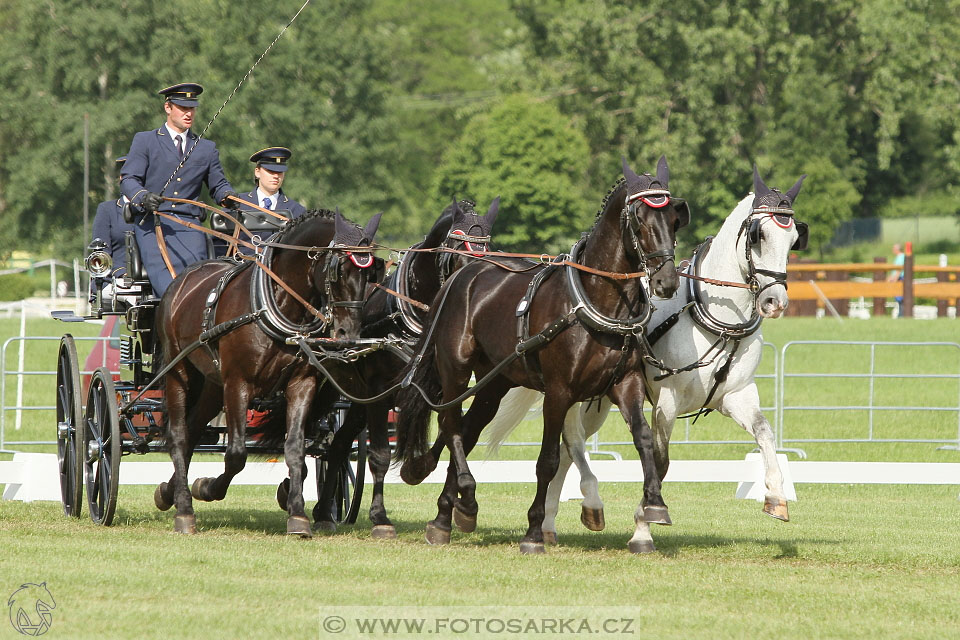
pixel 856 561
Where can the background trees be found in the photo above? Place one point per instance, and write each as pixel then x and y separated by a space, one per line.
pixel 395 106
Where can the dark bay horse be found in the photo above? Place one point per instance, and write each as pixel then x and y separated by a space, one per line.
pixel 581 334
pixel 251 360
pixel 418 277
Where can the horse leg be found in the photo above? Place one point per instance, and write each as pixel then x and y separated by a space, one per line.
pixel 583 424
pixel 664 416
pixel 378 455
pixel 180 390
pixel 415 471
pixel 629 395
pixel 743 406
pixel 300 393
pixel 236 400
pixel 555 407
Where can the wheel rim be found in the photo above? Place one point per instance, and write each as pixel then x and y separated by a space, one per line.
pixel 101 450
pixel 69 427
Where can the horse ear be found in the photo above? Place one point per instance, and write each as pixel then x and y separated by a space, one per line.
pixel 633 180
pixel 371 229
pixel 683 211
pixel 457 212
pixel 795 189
pixel 663 171
pixel 492 212
pixel 759 188
pixel 341 228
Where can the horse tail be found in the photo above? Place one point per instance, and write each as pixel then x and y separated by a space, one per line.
pixel 513 410
pixel 413 421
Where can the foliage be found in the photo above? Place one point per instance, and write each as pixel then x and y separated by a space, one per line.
pixel 373 95
pixel 16 286
pixel 530 155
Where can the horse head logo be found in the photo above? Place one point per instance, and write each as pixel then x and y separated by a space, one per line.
pixel 30 608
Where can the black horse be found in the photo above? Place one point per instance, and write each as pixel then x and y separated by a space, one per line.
pixel 251 360
pixel 572 336
pixel 417 278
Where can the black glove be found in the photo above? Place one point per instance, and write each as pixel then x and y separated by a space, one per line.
pixel 151 202
pixel 228 202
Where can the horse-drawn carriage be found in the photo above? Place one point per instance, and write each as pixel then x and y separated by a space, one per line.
pixel 122 414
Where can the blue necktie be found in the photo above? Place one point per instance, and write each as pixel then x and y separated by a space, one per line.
pixel 179 145
pixel 266 203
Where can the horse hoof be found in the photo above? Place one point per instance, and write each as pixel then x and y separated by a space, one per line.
pixel 592 518
pixel 200 489
pixel 656 515
pixel 437 536
pixel 776 508
pixel 283 492
pixel 384 532
pixel 550 538
pixel 298 526
pixel 532 547
pixel 158 500
pixel 185 524
pixel 464 522
pixel 325 526
pixel 641 546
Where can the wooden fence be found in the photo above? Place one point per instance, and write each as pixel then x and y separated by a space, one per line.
pixel 812 284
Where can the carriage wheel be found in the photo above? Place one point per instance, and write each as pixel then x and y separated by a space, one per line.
pixel 102 448
pixel 349 485
pixel 69 427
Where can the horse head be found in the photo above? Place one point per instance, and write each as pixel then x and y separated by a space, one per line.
pixel 771 234
pixel 651 219
pixel 345 271
pixel 469 232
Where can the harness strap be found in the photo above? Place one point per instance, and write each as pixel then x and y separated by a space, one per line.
pixel 408 300
pixel 259 208
pixel 296 296
pixel 162 245
pixel 718 377
pixel 531 362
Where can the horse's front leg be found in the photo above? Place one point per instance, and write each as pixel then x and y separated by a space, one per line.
pixel 236 400
pixel 743 406
pixel 300 393
pixel 482 410
pixel 379 457
pixel 555 407
pixel 628 395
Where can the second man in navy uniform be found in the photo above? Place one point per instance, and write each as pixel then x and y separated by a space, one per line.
pixel 268 175
pixel 148 176
pixel 108 226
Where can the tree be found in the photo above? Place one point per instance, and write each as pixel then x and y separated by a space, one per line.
pixel 531 156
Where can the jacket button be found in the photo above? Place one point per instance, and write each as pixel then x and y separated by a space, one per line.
pixel 174 206
pixel 178 179
pixel 176 193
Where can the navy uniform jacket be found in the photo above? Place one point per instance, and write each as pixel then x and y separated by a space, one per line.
pixel 284 205
pixel 150 162
pixel 108 225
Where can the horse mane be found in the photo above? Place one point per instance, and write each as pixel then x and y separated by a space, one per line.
pixel 731 225
pixel 614 192
pixel 292 227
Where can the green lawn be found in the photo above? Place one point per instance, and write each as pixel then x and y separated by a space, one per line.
pixel 855 561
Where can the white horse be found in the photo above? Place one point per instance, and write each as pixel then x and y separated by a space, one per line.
pixel 709 348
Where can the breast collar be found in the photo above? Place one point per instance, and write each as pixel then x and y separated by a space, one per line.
pixel 699 311
pixel 411 325
pixel 271 321
pixel 590 316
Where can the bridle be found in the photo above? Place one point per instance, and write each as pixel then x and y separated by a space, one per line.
pixel 445 261
pixel 631 226
pixel 750 229
pixel 332 267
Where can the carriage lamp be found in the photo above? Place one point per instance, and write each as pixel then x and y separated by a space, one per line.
pixel 98 262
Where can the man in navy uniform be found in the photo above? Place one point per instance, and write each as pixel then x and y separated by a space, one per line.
pixel 109 226
pixel 148 176
pixel 268 175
